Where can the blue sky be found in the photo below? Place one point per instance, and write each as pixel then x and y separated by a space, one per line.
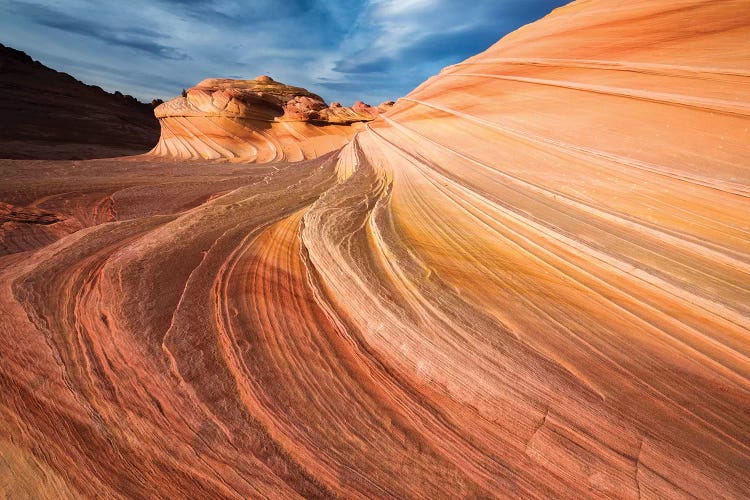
pixel 344 50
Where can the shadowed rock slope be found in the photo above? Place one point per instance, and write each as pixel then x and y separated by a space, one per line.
pixel 258 120
pixel 529 279
pixel 47 114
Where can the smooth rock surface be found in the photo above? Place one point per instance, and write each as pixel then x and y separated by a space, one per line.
pixel 529 279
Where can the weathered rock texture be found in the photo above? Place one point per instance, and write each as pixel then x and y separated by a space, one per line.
pixel 45 114
pixel 258 120
pixel 530 279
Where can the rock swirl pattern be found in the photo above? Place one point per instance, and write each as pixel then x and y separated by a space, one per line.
pixel 257 120
pixel 530 278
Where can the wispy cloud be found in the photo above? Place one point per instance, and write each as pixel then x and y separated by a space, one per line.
pixel 134 37
pixel 369 49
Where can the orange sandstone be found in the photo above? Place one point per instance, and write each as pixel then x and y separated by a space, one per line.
pixel 257 120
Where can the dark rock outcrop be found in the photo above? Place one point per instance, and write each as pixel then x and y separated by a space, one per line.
pixel 46 114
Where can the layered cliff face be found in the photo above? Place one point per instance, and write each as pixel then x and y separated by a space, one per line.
pixel 46 114
pixel 258 120
pixel 531 278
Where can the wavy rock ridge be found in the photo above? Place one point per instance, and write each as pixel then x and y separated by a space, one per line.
pixel 531 278
pixel 258 120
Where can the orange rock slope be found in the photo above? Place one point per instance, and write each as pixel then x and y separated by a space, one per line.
pixel 530 279
pixel 258 120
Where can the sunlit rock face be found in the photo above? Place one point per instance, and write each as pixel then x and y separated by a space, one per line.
pixel 258 120
pixel 529 279
pixel 564 220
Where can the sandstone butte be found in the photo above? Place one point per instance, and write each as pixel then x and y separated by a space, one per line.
pixel 257 120
pixel 530 278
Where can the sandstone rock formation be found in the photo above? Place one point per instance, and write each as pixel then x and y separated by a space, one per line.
pixel 257 120
pixel 45 114
pixel 529 279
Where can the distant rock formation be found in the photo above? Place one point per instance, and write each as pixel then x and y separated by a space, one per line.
pixel 257 120
pixel 46 114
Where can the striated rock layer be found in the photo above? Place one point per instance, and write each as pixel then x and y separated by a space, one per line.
pixel 46 114
pixel 258 120
pixel 530 279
